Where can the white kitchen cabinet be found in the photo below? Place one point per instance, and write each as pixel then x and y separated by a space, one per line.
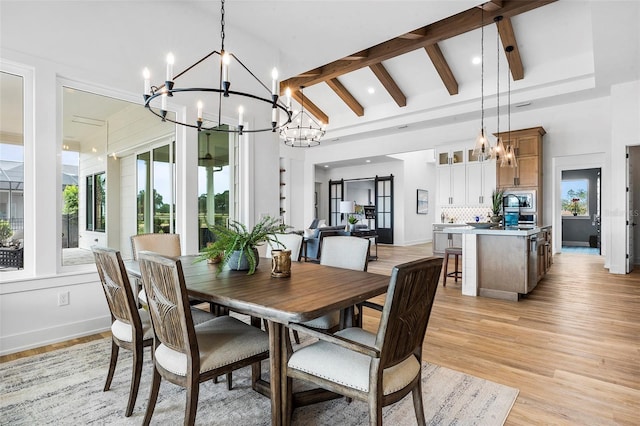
pixel 451 185
pixel 481 182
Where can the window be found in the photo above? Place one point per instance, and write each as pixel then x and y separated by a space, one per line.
pixel 156 190
pixel 12 176
pixel 214 182
pixel 96 202
pixel 575 197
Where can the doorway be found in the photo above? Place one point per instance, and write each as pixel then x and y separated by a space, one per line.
pixel 580 211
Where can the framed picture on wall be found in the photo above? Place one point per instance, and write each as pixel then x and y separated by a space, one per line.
pixel 422 201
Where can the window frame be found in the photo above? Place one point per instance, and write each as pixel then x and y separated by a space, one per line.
pixel 95 208
pixel 582 184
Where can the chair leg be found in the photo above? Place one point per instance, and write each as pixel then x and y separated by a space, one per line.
pixel 135 379
pixel 153 397
pixel 229 380
pixel 417 403
pixel 456 268
pixel 375 413
pixel 192 403
pixel 112 365
pixel 446 263
pixel 256 374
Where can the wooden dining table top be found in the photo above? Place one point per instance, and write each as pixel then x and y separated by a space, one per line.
pixel 311 291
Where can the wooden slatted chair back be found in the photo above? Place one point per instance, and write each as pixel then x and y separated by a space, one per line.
pixel 412 289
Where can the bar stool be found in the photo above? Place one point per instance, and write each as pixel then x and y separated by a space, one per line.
pixel 456 252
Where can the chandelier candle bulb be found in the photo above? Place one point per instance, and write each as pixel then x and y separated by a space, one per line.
pixel 163 105
pixel 170 60
pixel 274 82
pixel 240 116
pixel 147 81
pixel 199 110
pixel 225 66
pixel 287 93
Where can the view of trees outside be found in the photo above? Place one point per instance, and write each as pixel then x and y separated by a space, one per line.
pixel 575 197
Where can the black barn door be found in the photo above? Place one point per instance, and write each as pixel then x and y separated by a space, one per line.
pixel 384 209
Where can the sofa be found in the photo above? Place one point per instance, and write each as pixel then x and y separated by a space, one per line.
pixel 313 238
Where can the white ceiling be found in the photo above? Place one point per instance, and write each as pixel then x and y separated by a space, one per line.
pixel 570 49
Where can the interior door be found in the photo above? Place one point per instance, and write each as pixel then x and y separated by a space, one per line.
pixel 384 208
pixel 336 193
pixel 630 217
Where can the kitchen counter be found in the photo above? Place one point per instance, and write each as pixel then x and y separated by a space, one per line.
pixel 521 231
pixel 502 263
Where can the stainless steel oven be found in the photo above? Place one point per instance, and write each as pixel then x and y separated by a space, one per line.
pixel 521 201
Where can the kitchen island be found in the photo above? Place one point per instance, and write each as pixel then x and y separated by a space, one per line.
pixel 503 263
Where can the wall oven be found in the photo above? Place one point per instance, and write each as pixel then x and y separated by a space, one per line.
pixel 520 201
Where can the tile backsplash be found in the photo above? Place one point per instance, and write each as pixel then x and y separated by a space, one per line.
pixel 463 214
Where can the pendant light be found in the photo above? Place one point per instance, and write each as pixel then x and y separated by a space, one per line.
pixel 509 158
pixel 482 147
pixel 498 152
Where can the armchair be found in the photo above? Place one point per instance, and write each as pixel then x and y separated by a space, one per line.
pixel 380 368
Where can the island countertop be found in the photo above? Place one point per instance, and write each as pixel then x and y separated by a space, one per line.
pixel 522 232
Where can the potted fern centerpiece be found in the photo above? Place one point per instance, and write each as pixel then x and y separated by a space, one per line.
pixel 239 245
pixel 496 205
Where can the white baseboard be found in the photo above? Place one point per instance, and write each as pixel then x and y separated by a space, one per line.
pixel 47 336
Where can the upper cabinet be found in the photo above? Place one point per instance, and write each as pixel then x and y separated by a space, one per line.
pixel 527 146
pixel 481 180
pixel 462 178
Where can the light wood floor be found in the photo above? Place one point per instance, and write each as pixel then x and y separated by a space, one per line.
pixel 572 347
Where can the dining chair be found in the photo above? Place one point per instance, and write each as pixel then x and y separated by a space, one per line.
pixel 340 252
pixel 167 245
pixel 130 327
pixel 379 368
pixel 186 354
pixel 291 242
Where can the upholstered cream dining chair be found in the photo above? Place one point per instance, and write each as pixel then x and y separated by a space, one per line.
pixel 340 252
pixel 291 242
pixel 130 326
pixel 378 368
pixel 186 354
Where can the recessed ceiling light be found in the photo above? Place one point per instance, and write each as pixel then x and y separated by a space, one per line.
pixel 367 161
pixel 476 60
pixel 326 166
pixel 524 104
pixel 371 90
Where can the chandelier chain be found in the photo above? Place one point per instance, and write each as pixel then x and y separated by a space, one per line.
pixel 222 24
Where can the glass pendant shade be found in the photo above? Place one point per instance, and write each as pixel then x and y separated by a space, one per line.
pixel 509 159
pixel 498 151
pixel 482 148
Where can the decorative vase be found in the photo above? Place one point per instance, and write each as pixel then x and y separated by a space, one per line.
pixel 575 213
pixel 496 218
pixel 280 263
pixel 238 263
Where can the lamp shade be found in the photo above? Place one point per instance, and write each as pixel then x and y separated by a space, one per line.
pixel 347 207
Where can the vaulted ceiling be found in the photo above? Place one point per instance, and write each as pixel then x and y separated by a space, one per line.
pixel 493 12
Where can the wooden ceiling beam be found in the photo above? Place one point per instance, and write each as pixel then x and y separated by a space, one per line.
pixel 346 96
pixel 441 65
pixel 310 107
pixel 508 38
pixel 446 28
pixel 389 84
pixel 492 5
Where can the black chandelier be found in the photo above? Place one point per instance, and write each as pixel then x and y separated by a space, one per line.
pixel 169 89
pixel 303 131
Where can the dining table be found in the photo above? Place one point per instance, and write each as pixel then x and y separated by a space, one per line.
pixel 311 290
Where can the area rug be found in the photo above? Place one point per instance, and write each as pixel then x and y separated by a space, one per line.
pixel 64 387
